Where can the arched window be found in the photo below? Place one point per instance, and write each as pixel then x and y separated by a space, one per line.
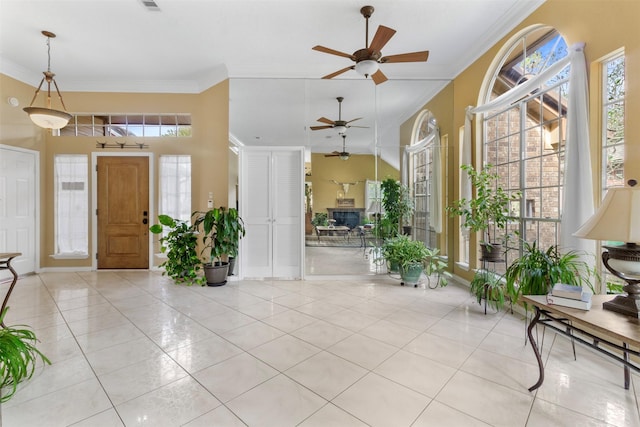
pixel 425 178
pixel 524 140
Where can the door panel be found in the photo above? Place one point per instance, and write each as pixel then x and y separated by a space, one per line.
pixel 18 208
pixel 287 218
pixel 123 207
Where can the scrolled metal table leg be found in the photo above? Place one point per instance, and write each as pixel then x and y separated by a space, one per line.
pixel 13 283
pixel 533 323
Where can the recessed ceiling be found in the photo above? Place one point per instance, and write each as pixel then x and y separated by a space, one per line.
pixel 264 47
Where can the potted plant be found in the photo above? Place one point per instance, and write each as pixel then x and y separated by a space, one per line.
pixel 490 206
pixel 537 270
pixel 409 255
pixel 398 204
pixel 18 357
pixel 434 264
pixel 489 286
pixel 222 229
pixel 180 245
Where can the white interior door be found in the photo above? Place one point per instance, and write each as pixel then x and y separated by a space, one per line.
pixel 271 205
pixel 18 173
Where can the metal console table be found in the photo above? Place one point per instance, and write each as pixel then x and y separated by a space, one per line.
pixel 5 264
pixel 610 333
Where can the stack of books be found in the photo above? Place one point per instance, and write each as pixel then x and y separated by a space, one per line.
pixel 569 296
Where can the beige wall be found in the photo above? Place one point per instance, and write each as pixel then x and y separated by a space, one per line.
pixel 604 26
pixel 359 167
pixel 208 146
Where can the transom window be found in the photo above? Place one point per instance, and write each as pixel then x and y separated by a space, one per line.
pixel 128 125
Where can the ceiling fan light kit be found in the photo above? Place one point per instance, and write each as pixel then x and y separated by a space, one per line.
pixel 368 60
pixel 367 67
pixel 46 117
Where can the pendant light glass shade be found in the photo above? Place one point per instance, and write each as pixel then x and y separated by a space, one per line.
pixel 46 117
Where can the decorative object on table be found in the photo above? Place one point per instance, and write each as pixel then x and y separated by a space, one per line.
pixel 537 270
pixel 564 290
pixel 618 220
pixel 490 206
pixel 222 230
pixel 368 60
pixel 180 244
pixel 18 357
pixel 46 117
pixel 583 303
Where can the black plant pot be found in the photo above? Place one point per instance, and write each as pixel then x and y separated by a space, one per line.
pixel 232 265
pixel 216 274
pixel 492 252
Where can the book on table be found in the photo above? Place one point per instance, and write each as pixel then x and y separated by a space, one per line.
pixel 582 304
pixel 567 291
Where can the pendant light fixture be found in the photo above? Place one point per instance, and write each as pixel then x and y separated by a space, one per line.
pixel 46 117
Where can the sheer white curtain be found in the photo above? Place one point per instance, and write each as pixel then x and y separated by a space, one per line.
pixel 578 185
pixel 175 186
pixel 71 200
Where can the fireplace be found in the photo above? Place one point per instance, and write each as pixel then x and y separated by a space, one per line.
pixel 350 217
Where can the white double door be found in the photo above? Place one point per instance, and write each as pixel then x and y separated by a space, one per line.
pixel 272 207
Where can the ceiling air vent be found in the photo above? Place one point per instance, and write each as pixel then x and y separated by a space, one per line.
pixel 150 5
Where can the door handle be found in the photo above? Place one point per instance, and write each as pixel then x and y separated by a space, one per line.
pixel 145 221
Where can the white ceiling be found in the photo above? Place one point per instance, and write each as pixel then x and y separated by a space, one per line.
pixel 264 47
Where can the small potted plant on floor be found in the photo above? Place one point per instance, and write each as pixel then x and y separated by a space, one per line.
pixel 490 206
pixel 222 229
pixel 489 286
pixel 408 254
pixel 18 357
pixel 179 242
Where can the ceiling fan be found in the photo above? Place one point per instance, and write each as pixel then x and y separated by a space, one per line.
pixel 339 125
pixel 369 59
pixel 342 154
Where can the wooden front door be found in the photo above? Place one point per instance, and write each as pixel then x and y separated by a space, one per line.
pixel 123 212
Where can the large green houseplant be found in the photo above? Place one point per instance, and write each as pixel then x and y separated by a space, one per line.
pixel 537 270
pixel 398 206
pixel 18 357
pixel 490 206
pixel 222 230
pixel 179 242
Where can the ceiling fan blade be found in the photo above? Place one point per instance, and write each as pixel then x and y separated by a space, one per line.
pixel 327 121
pixel 378 77
pixel 319 127
pixel 359 118
pixel 406 57
pixel 383 35
pixel 337 73
pixel 333 52
pixel 361 127
pixel 332 154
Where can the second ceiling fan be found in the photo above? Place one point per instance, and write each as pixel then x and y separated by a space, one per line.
pixel 344 155
pixel 339 125
pixel 367 60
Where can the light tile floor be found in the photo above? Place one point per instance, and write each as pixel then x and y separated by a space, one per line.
pixel 130 348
